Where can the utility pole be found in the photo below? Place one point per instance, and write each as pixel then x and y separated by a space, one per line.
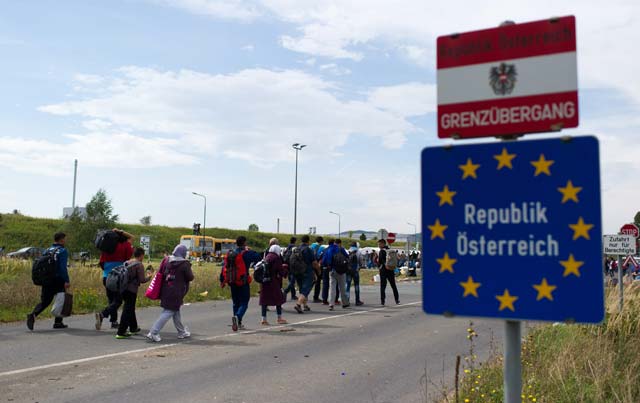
pixel 297 147
pixel 75 177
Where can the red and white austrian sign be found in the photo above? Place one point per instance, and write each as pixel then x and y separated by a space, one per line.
pixel 515 79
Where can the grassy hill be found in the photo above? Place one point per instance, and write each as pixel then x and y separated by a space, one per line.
pixel 17 231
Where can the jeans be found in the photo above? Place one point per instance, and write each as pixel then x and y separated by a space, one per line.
pixel 128 318
pixel 325 283
pixel 115 300
pixel 278 311
pixel 355 276
pixel 165 315
pixel 291 287
pixel 47 294
pixel 340 280
pixel 388 275
pixel 240 296
pixel 318 285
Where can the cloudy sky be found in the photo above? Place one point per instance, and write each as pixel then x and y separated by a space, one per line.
pixel 159 98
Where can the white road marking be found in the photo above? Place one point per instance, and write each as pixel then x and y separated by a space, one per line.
pixel 164 346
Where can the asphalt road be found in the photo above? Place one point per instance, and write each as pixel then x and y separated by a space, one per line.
pixel 362 354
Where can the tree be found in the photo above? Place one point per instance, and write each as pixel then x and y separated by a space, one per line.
pixel 100 210
pixel 146 220
pixel 350 234
pixel 16 212
pixel 636 218
pixel 254 228
pixel 363 237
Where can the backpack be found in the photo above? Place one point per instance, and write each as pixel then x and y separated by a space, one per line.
pixel 235 271
pixel 286 256
pixel 118 279
pixel 262 272
pixel 353 261
pixel 392 259
pixel 296 262
pixel 340 263
pixel 44 269
pixel 107 241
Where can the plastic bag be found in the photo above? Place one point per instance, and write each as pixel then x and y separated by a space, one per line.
pixel 58 305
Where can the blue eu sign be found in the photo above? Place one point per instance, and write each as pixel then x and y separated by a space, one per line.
pixel 513 230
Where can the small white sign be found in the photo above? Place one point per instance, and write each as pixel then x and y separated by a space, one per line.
pixel 619 245
pixel 145 242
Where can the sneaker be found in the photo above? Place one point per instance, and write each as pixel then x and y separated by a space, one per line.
pixel 382 303
pixel 114 325
pixel 397 302
pixel 99 318
pixel 298 308
pixel 325 302
pixel 346 306
pixel 154 337
pixel 184 335
pixel 331 307
pixel 294 298
pixel 123 336
pixel 282 321
pixel 265 323
pixel 135 331
pixel 241 327
pixel 31 319
pixel 359 303
pixel 60 326
pixel 306 308
pixel 234 323
pixel 317 300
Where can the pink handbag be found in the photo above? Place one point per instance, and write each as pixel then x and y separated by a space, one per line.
pixel 153 291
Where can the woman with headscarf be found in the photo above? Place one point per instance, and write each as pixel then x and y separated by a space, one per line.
pixel 271 292
pixel 177 274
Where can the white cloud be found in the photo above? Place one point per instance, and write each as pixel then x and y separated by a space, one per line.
pixel 252 115
pixel 110 150
pixel 224 9
pixel 410 99
pixel 248 48
pixel 334 69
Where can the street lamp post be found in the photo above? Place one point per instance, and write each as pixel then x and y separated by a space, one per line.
pixel 339 231
pixel 415 234
pixel 296 147
pixel 204 221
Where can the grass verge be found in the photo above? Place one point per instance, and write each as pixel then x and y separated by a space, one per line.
pixel 571 363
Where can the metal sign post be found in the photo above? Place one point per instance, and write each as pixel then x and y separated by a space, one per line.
pixel 512 362
pixel 620 283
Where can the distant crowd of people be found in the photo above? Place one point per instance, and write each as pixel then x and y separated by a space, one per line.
pixel 321 273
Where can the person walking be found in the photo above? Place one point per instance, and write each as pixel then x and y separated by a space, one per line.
pixel 387 274
pixel 302 268
pixel 235 273
pixel 317 248
pixel 354 273
pixel 271 291
pixel 326 270
pixel 337 260
pixel 286 257
pixel 136 271
pixel 177 275
pixel 109 261
pixel 60 282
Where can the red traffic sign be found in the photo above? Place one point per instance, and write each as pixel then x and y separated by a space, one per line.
pixel 630 229
pixel 514 79
pixel 391 237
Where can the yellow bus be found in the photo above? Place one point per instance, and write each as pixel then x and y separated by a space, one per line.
pixel 215 247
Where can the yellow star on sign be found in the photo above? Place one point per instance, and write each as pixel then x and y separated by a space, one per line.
pixel 504 159
pixel 580 229
pixel 506 301
pixel 470 287
pixel 544 290
pixel 437 229
pixel 446 196
pixel 469 169
pixel 569 192
pixel 542 166
pixel 446 263
pixel 571 266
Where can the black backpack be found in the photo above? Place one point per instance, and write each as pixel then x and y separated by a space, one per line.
pixel 353 261
pixel 44 269
pixel 261 272
pixel 339 262
pixel 107 241
pixel 296 262
pixel 286 256
pixel 118 279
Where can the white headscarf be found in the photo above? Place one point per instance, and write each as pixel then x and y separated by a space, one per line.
pixel 275 249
